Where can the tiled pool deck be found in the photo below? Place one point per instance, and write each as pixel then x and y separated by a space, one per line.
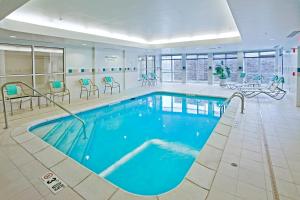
pixel 241 139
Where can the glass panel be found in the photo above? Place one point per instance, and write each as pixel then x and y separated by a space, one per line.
pixel 219 56
pixel 142 65
pixel 203 56
pixel 176 57
pixel 48 60
pixel 202 70
pixel 251 54
pixel 231 55
pixel 191 57
pixel 42 81
pixel 15 60
pixel 166 66
pixel 252 67
pixel 232 63
pixel 166 57
pixel 177 70
pixel 267 53
pixel 191 67
pixel 150 64
pixel 267 66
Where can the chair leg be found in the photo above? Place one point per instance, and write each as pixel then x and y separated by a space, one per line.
pixel 20 106
pixel 31 107
pixel 69 98
pixel 104 89
pixel 11 108
pixel 98 93
pixel 111 90
pixel 80 93
pixel 87 95
pixel 119 89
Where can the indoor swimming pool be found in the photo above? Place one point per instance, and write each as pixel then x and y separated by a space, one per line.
pixel 144 145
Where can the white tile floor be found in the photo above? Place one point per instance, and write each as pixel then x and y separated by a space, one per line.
pixel 278 121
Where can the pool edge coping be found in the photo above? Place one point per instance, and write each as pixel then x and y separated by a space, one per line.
pixel 212 143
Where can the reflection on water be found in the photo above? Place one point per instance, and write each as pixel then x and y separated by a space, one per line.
pixel 186 105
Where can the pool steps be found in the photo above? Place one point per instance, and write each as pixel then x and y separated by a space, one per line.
pixel 65 142
pixel 67 136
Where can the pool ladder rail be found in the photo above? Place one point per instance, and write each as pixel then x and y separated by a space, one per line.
pixel 236 94
pixel 40 95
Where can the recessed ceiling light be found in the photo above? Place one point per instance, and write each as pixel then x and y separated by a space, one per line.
pixel 272 39
pixel 83 44
pixel 12 36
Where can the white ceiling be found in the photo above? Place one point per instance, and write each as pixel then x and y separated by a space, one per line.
pixel 140 21
pixel 262 24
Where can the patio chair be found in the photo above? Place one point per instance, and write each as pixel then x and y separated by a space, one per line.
pixel 145 80
pixel 109 82
pixel 153 79
pixel 58 89
pixel 14 93
pixel 272 90
pixel 88 86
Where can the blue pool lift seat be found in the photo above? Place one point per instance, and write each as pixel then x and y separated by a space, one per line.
pixel 88 86
pixel 109 82
pixel 14 93
pixel 58 89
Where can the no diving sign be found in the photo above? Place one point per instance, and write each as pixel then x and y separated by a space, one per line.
pixel 53 182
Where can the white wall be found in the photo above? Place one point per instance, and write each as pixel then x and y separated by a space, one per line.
pixel 99 58
pixel 77 58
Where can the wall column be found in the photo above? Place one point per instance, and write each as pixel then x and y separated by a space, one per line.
pixel 210 75
pixel 298 79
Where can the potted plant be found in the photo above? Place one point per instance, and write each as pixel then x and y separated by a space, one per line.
pixel 220 72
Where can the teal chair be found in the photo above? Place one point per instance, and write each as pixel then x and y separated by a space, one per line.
pixel 145 80
pixel 14 93
pixel 58 89
pixel 153 78
pixel 88 86
pixel 109 82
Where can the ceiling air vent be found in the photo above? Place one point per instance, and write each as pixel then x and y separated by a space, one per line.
pixel 292 34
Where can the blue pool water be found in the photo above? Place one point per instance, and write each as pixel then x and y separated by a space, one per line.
pixel 144 145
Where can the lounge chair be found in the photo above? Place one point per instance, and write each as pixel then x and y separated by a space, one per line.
pixel 109 82
pixel 58 89
pixel 255 82
pixel 14 93
pixel 88 86
pixel 273 90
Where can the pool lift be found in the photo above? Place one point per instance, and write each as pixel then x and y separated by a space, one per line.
pixel 39 95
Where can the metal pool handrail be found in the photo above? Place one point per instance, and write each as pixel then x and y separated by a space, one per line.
pixel 239 95
pixel 49 99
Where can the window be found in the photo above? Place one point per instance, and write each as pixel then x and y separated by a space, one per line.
pixel 146 65
pixel 227 60
pixel 196 67
pixel 49 66
pixel 16 64
pixel 171 68
pixel 260 63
